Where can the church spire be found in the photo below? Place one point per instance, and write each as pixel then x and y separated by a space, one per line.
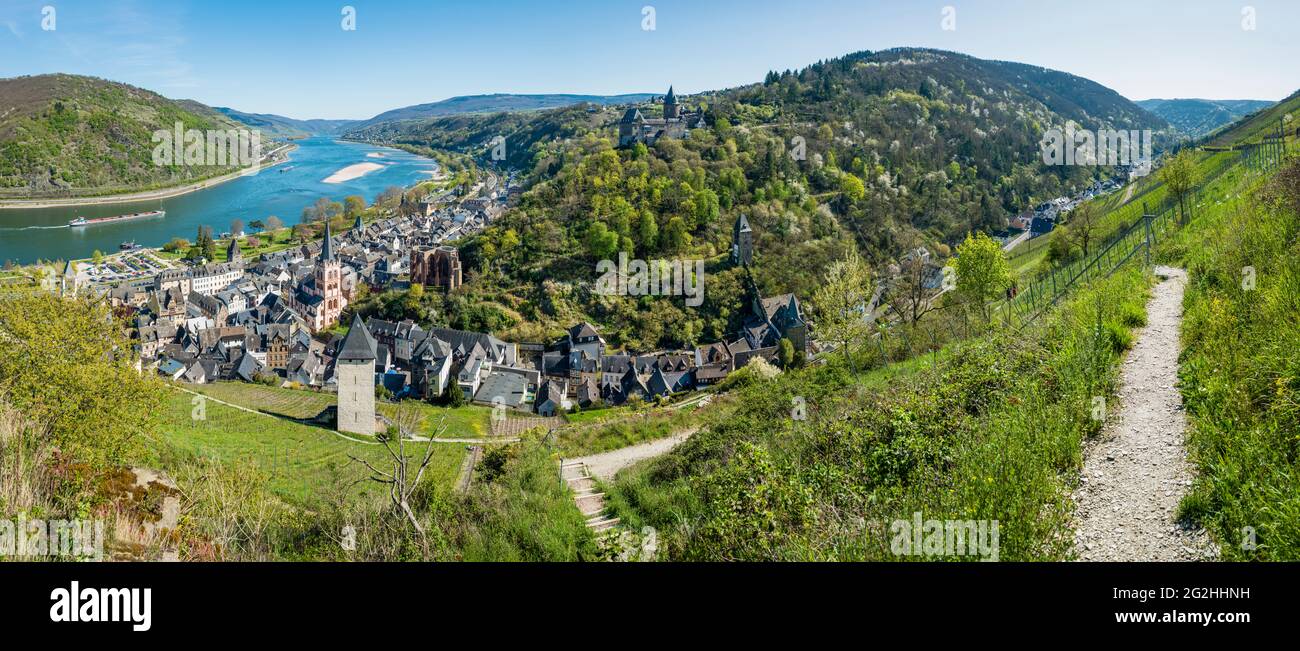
pixel 327 249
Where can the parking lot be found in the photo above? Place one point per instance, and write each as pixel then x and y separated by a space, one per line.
pixel 126 266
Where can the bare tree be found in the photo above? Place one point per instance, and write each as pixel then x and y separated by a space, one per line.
pixel 1180 176
pixel 908 295
pixel 400 477
pixel 1081 230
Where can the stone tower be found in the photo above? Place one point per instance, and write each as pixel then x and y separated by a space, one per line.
pixel 233 252
pixel 329 282
pixel 670 105
pixel 355 370
pixel 742 242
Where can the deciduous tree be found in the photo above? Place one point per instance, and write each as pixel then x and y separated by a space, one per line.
pixel 982 270
pixel 842 302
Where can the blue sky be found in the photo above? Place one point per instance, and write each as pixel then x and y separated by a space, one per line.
pixel 294 58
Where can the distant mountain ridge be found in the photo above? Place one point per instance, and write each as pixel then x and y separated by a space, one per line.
pixel 285 127
pixel 496 103
pixel 280 126
pixel 1199 117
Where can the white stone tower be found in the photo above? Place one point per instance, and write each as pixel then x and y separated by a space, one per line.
pixel 355 370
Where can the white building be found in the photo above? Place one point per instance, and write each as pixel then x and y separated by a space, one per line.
pixel 212 278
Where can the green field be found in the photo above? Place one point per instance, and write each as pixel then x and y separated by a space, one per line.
pixel 594 415
pixel 302 463
pixel 470 421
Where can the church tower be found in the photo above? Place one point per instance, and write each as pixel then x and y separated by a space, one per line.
pixel 329 282
pixel 742 242
pixel 670 105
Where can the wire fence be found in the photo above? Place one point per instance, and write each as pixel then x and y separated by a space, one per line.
pixel 1136 240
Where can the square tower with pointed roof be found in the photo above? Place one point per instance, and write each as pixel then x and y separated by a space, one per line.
pixel 742 242
pixel 355 370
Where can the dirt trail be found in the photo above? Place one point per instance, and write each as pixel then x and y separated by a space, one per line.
pixel 1136 471
pixel 607 464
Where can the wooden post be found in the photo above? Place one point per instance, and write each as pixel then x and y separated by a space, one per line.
pixel 1150 236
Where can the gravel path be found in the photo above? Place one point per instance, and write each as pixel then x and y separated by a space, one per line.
pixel 606 464
pixel 1136 471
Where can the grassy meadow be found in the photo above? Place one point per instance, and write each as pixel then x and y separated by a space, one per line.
pixel 301 463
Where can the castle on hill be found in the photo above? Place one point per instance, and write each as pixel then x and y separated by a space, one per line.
pixel 636 128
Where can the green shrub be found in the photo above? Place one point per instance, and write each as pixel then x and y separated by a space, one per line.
pixel 1118 335
pixel 1132 316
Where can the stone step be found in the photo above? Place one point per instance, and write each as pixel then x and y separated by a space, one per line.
pixel 604 524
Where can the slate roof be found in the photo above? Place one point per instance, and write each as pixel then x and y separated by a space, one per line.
pixel 463 343
pixel 509 387
pixel 358 345
pixel 248 368
pixel 742 225
pixel 327 247
pixel 582 331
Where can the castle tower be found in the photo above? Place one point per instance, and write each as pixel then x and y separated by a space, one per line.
pixel 329 282
pixel 670 104
pixel 233 252
pixel 355 371
pixel 742 242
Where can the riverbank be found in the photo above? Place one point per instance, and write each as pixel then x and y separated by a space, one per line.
pixel 278 156
pixel 28 235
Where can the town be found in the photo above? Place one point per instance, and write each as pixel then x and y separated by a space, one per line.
pixel 272 320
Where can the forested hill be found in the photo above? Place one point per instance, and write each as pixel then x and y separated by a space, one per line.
pixel 68 135
pixel 901 148
pixel 495 103
pixel 1199 117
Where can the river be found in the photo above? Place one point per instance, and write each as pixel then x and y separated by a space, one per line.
pixel 27 235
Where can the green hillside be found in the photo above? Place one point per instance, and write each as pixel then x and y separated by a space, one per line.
pixel 991 427
pixel 67 136
pixel 1252 129
pixel 901 148
pixel 1199 117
